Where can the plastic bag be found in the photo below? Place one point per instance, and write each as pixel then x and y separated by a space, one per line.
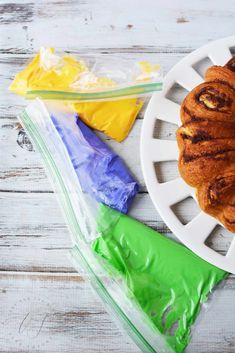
pixel 166 279
pixel 149 282
pixel 105 93
pixel 48 71
pixel 54 77
pixel 101 172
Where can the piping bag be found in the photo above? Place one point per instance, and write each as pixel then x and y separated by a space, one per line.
pixel 101 172
pixel 107 94
pixel 164 278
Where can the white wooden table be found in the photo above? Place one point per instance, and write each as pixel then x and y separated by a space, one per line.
pixel 45 306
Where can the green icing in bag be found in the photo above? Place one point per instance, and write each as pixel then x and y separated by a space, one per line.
pixel 166 279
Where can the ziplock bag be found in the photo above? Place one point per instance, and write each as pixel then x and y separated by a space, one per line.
pixel 101 172
pixel 107 93
pixel 152 284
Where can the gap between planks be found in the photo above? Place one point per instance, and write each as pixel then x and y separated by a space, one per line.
pixel 72 276
pixel 135 49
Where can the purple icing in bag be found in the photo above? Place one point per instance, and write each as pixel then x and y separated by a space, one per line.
pixel 101 172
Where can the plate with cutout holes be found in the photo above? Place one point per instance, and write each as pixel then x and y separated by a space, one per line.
pixel 171 196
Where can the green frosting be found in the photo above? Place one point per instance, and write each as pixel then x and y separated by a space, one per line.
pixel 166 279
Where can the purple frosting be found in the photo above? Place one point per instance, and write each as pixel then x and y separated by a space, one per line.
pixel 100 171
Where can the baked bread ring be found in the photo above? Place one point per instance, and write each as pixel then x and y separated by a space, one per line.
pixel 206 142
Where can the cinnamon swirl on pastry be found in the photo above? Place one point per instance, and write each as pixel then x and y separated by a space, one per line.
pixel 206 143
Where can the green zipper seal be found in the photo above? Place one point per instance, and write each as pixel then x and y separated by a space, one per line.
pixel 115 93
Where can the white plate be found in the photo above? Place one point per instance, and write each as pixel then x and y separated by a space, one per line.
pixel 152 150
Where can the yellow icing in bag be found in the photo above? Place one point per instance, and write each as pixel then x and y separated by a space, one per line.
pixel 47 71
pixel 85 85
pixel 114 118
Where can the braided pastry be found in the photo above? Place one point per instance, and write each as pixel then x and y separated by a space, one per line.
pixel 206 143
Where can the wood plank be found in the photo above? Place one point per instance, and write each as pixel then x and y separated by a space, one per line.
pixel 30 240
pixel 56 314
pixel 22 169
pixel 34 236
pixel 61 313
pixel 169 26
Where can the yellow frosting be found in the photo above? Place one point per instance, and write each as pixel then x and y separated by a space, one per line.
pixel 48 71
pixel 114 118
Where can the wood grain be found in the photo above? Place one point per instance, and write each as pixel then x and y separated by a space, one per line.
pixel 151 26
pixel 55 314
pixel 34 241
pixel 23 170
pixel 60 313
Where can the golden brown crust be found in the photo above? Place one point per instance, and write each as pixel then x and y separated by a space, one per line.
pixel 209 101
pixel 218 199
pixel 224 74
pixel 206 143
